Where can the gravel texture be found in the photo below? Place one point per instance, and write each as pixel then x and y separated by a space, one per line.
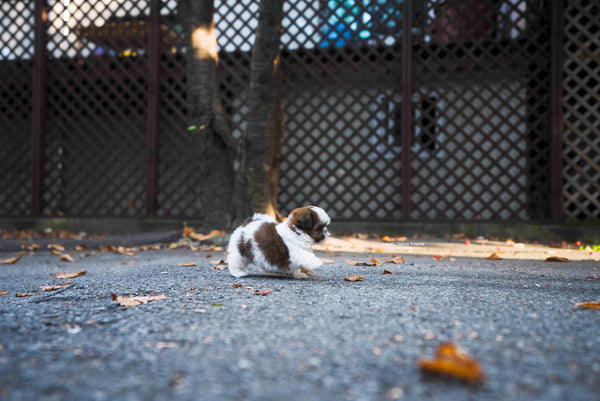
pixel 317 339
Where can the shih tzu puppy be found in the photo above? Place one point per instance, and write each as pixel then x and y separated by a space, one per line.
pixel 284 248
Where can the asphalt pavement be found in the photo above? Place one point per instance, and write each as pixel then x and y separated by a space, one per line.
pixel 215 337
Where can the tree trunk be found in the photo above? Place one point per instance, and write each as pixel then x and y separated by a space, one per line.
pixel 207 122
pixel 258 175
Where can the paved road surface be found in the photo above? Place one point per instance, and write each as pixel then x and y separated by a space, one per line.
pixel 321 339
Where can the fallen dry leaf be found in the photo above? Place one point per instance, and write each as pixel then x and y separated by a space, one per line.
pixel 3 292
pixel 10 261
pixel 262 293
pixel 22 294
pixel 376 261
pixel 69 275
pixel 354 278
pixel 155 247
pixel 66 258
pixel 587 305
pixel 359 263
pixel 555 259
pixel 218 262
pixel 174 246
pixel 494 256
pixel 235 285
pixel 327 260
pixel 388 272
pixel 55 287
pixel 398 260
pixel 81 247
pixel 211 249
pixel 57 247
pixel 189 233
pixel 451 360
pixel 187 264
pixel 134 301
pixel 306 271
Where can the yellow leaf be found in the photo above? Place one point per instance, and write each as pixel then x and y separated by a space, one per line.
pixel 376 261
pixel 134 301
pixel 494 256
pixel 452 361
pixel 10 261
pixel 55 287
pixel 354 278
pixel 587 305
pixel 359 263
pixel 218 262
pixel 66 258
pixel 69 275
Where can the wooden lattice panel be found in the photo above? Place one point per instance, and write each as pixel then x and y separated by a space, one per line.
pixel 581 158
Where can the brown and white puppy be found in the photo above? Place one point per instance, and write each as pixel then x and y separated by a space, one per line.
pixel 283 248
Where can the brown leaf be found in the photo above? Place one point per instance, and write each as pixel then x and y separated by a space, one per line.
pixel 452 361
pixel 262 293
pixel 67 258
pixel 218 262
pixel 587 305
pixel 81 247
pixel 359 263
pixel 187 231
pixel 3 292
pixel 155 247
pixel 57 247
pixel 556 259
pixel 10 261
pixel 187 264
pixel 354 278
pixel 494 256
pixel 376 261
pixel 134 301
pixel 235 285
pixel 398 260
pixel 306 271
pixel 388 272
pixel 22 294
pixel 69 275
pixel 55 287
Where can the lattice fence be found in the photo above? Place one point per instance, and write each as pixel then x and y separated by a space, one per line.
pixel 16 52
pixel 581 171
pixel 424 110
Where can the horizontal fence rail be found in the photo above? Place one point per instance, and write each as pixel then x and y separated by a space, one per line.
pixel 394 110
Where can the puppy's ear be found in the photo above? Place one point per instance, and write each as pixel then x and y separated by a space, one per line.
pixel 305 220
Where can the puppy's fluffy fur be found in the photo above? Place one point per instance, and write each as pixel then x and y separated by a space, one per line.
pixel 283 248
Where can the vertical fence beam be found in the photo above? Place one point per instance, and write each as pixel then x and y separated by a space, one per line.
pixel 38 102
pixel 556 110
pixel 406 117
pixel 153 94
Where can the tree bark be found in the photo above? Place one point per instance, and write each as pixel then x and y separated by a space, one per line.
pixel 260 145
pixel 207 122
